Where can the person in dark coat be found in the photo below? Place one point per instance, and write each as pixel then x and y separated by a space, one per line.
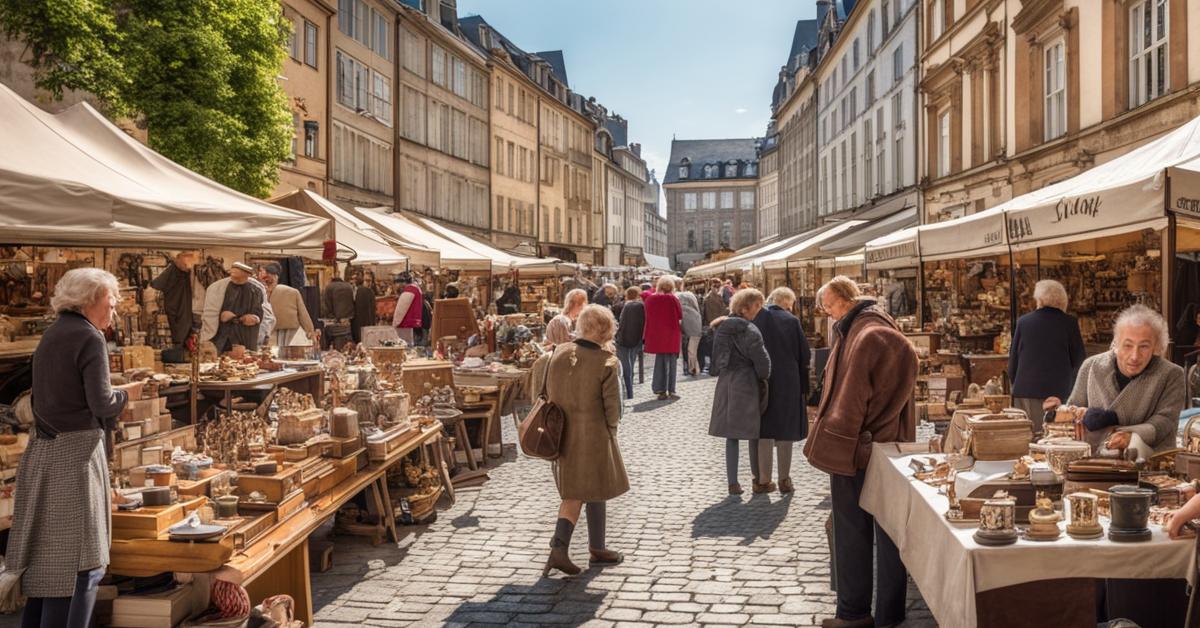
pixel 175 282
pixel 629 335
pixel 1046 352
pixel 58 548
pixel 337 307
pixel 785 421
pixel 509 301
pixel 364 305
pixel 740 361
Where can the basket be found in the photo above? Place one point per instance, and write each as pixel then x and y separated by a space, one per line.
pixel 999 436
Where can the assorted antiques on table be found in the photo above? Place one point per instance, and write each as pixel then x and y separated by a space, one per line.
pixel 1008 487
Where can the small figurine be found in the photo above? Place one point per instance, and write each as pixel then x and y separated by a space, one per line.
pixel 1043 520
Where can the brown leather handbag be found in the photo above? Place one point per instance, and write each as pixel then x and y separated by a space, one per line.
pixel 540 434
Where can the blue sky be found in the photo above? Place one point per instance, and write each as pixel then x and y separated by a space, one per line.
pixel 693 68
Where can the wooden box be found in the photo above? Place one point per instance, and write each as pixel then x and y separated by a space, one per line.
pixel 297 427
pixel 275 486
pixel 152 455
pixel 393 440
pixel 140 410
pixel 344 446
pixel 314 476
pixel 418 373
pixel 203 487
pixel 1187 465
pixel 133 430
pixel 999 436
pixel 381 356
pixel 149 522
pixel 138 356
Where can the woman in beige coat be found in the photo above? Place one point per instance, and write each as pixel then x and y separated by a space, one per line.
pixel 583 378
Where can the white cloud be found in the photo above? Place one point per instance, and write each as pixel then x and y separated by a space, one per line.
pixel 740 110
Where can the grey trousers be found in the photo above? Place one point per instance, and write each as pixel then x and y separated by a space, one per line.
pixel 1033 410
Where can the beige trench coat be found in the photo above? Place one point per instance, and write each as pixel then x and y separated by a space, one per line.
pixel 585 382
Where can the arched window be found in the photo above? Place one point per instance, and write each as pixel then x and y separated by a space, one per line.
pixel 708 171
pixel 685 168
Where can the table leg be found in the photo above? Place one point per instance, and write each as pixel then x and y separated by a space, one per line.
pixel 440 460
pixel 290 575
pixel 464 443
pixel 389 512
pixel 229 401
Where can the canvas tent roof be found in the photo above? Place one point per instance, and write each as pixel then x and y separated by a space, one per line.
pixel 808 246
pixel 364 240
pixel 398 228
pixel 502 261
pixel 894 250
pixel 74 178
pixel 657 262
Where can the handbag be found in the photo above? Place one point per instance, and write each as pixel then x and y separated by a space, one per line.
pixel 540 434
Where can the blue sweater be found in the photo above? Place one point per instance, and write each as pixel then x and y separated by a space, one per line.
pixel 1046 352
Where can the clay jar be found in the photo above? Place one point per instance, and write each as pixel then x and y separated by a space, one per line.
pixel 996 519
pixel 1130 506
pixel 227 506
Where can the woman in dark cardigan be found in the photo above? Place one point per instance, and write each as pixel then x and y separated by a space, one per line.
pixel 785 420
pixel 58 547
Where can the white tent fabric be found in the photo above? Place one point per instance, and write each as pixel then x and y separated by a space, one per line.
pixel 399 229
pixel 977 235
pixel 502 261
pixel 351 233
pixel 895 250
pixel 76 179
pixel 807 247
pixel 742 259
pixel 854 240
pixel 658 262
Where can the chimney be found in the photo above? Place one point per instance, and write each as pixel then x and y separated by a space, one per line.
pixel 823 7
pixel 636 149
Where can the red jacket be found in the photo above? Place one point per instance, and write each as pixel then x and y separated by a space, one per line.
pixel 663 314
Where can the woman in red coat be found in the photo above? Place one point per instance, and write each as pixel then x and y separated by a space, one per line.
pixel 663 335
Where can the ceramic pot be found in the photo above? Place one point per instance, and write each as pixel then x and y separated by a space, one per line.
pixel 1130 506
pixel 1084 523
pixel 996 522
pixel 227 506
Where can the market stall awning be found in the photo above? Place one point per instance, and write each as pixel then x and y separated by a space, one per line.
pixel 502 261
pixel 351 233
pixel 742 259
pixel 398 229
pixel 894 250
pixel 854 240
pixel 808 246
pixel 977 235
pixel 657 262
pixel 74 178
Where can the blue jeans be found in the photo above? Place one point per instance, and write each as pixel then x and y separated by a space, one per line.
pixel 68 612
pixel 628 357
pixel 664 373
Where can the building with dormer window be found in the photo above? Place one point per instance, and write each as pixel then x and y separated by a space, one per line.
pixel 719 208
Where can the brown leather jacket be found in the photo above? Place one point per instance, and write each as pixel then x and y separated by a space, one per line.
pixel 868 392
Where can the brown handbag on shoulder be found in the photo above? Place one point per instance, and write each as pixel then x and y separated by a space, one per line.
pixel 540 434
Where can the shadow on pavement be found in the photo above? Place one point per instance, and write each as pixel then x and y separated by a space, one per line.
pixel 653 404
pixel 555 600
pixel 755 518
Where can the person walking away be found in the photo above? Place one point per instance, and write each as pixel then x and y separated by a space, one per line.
pixel 582 379
pixel 785 419
pixel 714 307
pixel 288 305
pixel 1046 352
pixel 867 398
pixel 663 335
pixel 364 305
pixel 236 311
pixel 561 328
pixel 740 362
pixel 629 335
pixel 58 548
pixel 409 307
pixel 175 284
pixel 337 305
pixel 691 326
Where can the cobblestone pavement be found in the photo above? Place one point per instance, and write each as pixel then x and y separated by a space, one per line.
pixel 693 555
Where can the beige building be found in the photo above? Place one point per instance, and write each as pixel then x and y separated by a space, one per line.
pixel 565 135
pixel 1020 95
pixel 768 186
pixel 794 114
pixel 711 190
pixel 443 134
pixel 362 116
pixel 306 83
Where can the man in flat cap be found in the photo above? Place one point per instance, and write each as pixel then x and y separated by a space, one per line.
pixel 237 311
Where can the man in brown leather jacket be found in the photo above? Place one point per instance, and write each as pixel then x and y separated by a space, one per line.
pixel 867 398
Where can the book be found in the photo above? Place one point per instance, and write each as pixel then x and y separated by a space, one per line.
pixel 152 611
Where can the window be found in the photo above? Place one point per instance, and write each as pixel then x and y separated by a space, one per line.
pixel 897 63
pixel 412 111
pixel 726 232
pixel 1148 31
pixel 689 200
pixel 311 132
pixel 853 180
pixel 856 58
pixel 380 30
pixel 460 77
pixel 1055 87
pixel 747 235
pixel 943 144
pixel 414 52
pixel 683 172
pixel 747 200
pixel 353 83
pixel 295 124
pixel 361 161
pixel 310 43
pixel 381 103
pixel 870 89
pixel 884 12
pixel 726 200
pixel 871 32
pixel 751 169
pixel 293 42
pixel 937 19
pixel 708 200
pixel 731 170
pixel 868 149
pixel 439 66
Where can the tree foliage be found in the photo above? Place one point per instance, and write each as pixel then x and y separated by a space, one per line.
pixel 200 75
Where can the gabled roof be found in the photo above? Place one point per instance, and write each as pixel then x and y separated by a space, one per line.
pixel 700 152
pixel 805 37
pixel 619 131
pixel 558 65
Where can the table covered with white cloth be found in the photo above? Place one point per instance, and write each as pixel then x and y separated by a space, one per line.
pixel 950 568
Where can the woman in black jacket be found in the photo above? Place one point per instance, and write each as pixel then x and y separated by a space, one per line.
pixel 1046 352
pixel 630 327
pixel 785 420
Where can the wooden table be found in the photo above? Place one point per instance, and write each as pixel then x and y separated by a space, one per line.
pixel 311 382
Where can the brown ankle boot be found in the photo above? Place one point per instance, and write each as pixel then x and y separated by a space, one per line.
pixel 605 557
pixel 559 559
pixel 760 489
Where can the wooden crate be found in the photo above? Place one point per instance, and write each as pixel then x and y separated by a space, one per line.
pixel 149 522
pixel 419 372
pixel 275 487
pixel 395 439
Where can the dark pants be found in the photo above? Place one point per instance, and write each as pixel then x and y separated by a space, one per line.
pixel 66 612
pixel 731 459
pixel 854 534
pixel 627 356
pixel 664 373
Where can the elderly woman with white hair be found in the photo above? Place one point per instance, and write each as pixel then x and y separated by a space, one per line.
pixel 561 328
pixel 1129 399
pixel 59 545
pixel 663 335
pixel 1046 352
pixel 583 379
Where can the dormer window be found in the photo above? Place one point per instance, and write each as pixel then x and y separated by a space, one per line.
pixel 751 169
pixel 685 167
pixel 731 170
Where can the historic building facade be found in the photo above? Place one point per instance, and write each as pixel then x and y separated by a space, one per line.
pixel 655 221
pixel 443 137
pixel 794 115
pixel 565 139
pixel 768 185
pixel 620 190
pixel 712 197
pixel 307 69
pixel 866 116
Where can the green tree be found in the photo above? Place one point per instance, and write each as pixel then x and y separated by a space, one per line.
pixel 200 75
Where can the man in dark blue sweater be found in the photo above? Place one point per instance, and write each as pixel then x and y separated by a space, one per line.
pixel 1046 352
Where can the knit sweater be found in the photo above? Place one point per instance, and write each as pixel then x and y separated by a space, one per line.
pixel 290 312
pixel 1149 406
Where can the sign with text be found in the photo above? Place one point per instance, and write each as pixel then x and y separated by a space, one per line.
pixel 978 234
pixel 1185 192
pixel 1084 214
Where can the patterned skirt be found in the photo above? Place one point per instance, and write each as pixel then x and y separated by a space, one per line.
pixel 62 522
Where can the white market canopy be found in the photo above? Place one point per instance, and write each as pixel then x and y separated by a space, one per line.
pixel 895 250
pixel 75 179
pixel 808 245
pixel 400 230
pixel 502 261
pixel 741 260
pixel 351 233
pixel 657 262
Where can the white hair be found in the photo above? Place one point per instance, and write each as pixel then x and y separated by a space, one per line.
pixel 782 295
pixel 596 321
pixel 1142 316
pixel 82 287
pixel 578 295
pixel 666 283
pixel 1049 292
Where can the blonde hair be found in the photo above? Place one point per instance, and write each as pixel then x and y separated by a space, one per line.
pixel 632 294
pixel 596 321
pixel 666 283
pixel 744 299
pixel 782 295
pixel 83 287
pixel 578 295
pixel 1138 316
pixel 1048 292
pixel 841 286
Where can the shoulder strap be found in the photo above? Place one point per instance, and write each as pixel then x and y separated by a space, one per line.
pixel 546 375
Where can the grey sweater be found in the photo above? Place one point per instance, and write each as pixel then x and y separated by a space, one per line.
pixel 1149 406
pixel 71 386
